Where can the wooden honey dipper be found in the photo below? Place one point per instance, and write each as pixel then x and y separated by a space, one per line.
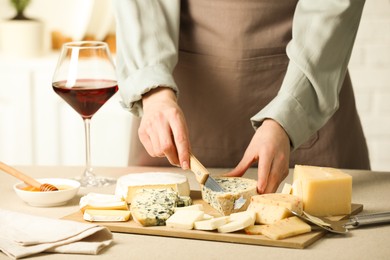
pixel 27 179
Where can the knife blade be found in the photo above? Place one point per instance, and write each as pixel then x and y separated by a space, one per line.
pixel 202 175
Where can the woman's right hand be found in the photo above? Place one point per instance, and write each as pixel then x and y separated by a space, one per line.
pixel 163 130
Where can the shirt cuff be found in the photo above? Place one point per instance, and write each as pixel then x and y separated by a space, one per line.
pixel 132 87
pixel 294 108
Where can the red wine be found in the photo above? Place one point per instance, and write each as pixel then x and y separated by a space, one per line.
pixel 86 96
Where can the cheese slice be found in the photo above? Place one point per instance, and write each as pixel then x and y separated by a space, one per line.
pixel 287 188
pixel 96 215
pixel 128 185
pixel 184 219
pixel 211 224
pixel 238 222
pixel 284 228
pixel 102 201
pixel 324 191
pixel 273 207
pixel 234 189
pixel 255 229
pixel 191 207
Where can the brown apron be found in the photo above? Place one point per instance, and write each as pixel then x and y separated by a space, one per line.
pixel 232 62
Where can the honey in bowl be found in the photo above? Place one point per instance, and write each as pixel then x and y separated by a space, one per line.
pixel 59 187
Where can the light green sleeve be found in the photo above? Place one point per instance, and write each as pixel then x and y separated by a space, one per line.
pixel 147 46
pixel 323 35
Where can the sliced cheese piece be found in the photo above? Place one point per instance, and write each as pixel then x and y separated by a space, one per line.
pixel 191 207
pixel 207 216
pixel 98 215
pixel 102 201
pixel 243 214
pixel 152 207
pixel 269 214
pixel 284 228
pixel 272 207
pixel 287 188
pixel 234 189
pixel 254 229
pixel 324 191
pixel 211 224
pixel 238 222
pixel 184 219
pixel 128 185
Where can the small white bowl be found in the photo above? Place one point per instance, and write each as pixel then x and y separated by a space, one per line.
pixel 67 190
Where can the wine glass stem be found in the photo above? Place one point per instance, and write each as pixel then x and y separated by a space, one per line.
pixel 88 169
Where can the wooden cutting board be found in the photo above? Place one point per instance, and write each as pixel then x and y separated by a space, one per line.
pixel 300 241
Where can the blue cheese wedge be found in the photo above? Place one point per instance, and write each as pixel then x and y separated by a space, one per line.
pixel 128 185
pixel 234 189
pixel 152 207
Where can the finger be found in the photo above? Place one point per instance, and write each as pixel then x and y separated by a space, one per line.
pixel 168 147
pixel 145 140
pixel 263 171
pixel 180 135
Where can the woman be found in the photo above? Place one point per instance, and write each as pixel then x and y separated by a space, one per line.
pixel 202 75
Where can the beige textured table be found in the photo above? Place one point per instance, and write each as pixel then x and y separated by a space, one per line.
pixel 372 189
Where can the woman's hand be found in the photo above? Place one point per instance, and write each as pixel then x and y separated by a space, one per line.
pixel 163 129
pixel 270 147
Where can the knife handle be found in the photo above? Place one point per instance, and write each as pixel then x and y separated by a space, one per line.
pixel 201 173
pixel 369 219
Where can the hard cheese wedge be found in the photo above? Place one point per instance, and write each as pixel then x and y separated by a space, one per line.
pixel 284 228
pixel 273 207
pixel 96 215
pixel 184 219
pixel 324 191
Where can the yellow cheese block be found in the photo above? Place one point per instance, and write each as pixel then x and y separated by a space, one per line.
pixel 324 191
pixel 97 215
pixel 284 228
pixel 272 207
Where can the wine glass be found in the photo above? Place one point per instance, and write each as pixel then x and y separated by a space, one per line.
pixel 85 78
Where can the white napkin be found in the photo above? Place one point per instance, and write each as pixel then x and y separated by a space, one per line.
pixel 23 235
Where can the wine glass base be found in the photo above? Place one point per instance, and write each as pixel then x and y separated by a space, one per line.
pixel 95 181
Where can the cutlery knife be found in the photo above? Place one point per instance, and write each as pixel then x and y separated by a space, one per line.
pixel 202 175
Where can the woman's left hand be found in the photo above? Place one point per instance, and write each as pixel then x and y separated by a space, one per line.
pixel 270 147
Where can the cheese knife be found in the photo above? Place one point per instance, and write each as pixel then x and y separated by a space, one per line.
pixel 341 226
pixel 202 175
